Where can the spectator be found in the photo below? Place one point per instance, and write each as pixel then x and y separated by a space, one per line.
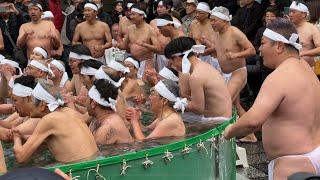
pixel 191 6
pixel 117 12
pixel 56 9
pixel 165 6
pixel 103 16
pixel 248 18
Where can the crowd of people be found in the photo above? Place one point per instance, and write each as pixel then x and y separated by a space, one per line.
pixel 74 74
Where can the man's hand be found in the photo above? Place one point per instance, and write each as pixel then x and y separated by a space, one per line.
pixel 132 115
pixel 231 55
pixel 13 9
pixel 152 76
pixel 226 133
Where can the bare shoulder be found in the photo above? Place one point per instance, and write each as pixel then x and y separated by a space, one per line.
pixel 237 32
pixel 194 23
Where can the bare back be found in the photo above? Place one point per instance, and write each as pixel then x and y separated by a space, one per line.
pixel 295 89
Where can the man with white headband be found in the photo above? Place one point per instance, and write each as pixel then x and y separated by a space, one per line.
pixel 38 33
pixel 47 15
pixel 60 77
pixel 286 108
pixel 37 68
pixel 87 72
pixel 232 48
pixel 167 123
pixel 38 53
pixel 309 34
pixel 125 21
pixel 131 86
pixel 209 101
pixel 107 127
pixel 141 39
pixel 94 34
pixel 62 135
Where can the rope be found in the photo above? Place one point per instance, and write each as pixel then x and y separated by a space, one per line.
pixel 147 163
pixel 201 145
pixel 98 175
pixel 212 145
pixel 124 167
pixel 167 156
pixel 73 178
pixel 186 150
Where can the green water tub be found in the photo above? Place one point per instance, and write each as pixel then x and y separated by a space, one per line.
pixel 203 157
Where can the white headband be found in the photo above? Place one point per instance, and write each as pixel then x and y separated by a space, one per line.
pixel 221 15
pixel 92 6
pixel 40 66
pixel 278 37
pixel 79 56
pixel 96 96
pixel 100 74
pixel 41 51
pixel 139 11
pixel 90 71
pixel 35 4
pixel 47 14
pixel 118 67
pixel 161 88
pixel 299 7
pixel 11 63
pixel 164 22
pixel 134 62
pixel 21 90
pixel 202 6
pixel 160 3
pixel 129 5
pixel 58 65
pixel 166 73
pixel 186 65
pixel 61 68
pixel 41 94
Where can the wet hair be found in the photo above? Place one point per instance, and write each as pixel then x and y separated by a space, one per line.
pixel 179 45
pixel 106 90
pixel 80 49
pixel 28 81
pixel 165 16
pixel 273 10
pixel 172 87
pixel 285 28
pixel 92 63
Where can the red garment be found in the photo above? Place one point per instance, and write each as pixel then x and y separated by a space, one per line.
pixel 55 8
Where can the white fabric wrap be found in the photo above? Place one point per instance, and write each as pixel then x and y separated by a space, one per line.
pixel 134 62
pixel 11 63
pixel 300 7
pixel 92 6
pixel 79 56
pixel 41 51
pixel 186 65
pixel 129 5
pixel 88 71
pixel 180 103
pixel 47 14
pixel 38 65
pixel 202 6
pixel 21 90
pixel 61 68
pixel 166 73
pixel 100 74
pixel 278 37
pixel 139 11
pixel 164 22
pixel 118 67
pixel 96 96
pixel 160 3
pixel 41 94
pixel 35 4
pixel 221 15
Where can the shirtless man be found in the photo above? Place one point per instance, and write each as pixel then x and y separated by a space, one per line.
pixel 232 47
pixel 131 86
pixel 58 131
pixel 60 77
pixel 289 119
pixel 208 97
pixel 125 21
pixel 168 27
pixel 107 126
pixel 38 32
pixel 168 123
pixel 94 34
pixel 309 35
pixel 141 39
pixel 38 69
pixel 38 53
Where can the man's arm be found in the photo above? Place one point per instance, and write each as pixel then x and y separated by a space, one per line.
pixel 163 129
pixel 108 37
pixel 41 132
pixel 184 88
pixel 197 102
pixel 268 99
pixel 123 43
pixel 76 36
pixel 155 44
pixel 245 44
pixel 316 42
pixel 22 38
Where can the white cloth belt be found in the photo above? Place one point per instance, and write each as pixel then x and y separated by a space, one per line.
pixel 21 90
pixel 278 37
pixel 47 14
pixel 41 51
pixel 118 67
pixel 90 71
pixel 164 22
pixel 139 11
pixel 298 6
pixel 79 56
pixel 92 6
pixel 100 74
pixel 38 65
pixel 166 73
pixel 134 62
pixel 41 94
pixel 35 4
pixel 61 68
pixel 221 15
pixel 96 96
pixel 202 6
pixel 180 103
pixel 11 63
